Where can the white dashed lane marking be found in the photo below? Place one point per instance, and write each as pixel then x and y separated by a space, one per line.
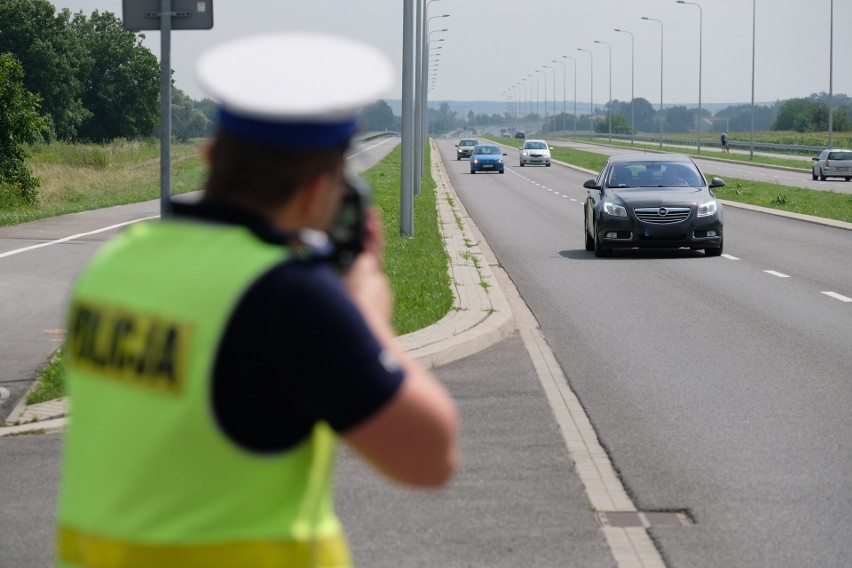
pixel 837 296
pixel 778 274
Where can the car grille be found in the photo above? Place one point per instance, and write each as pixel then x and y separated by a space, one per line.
pixel 662 215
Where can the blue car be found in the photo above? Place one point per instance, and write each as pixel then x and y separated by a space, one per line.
pixel 486 158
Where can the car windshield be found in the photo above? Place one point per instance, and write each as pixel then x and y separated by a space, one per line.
pixel 535 146
pixel 654 174
pixel 468 143
pixel 486 150
pixel 840 155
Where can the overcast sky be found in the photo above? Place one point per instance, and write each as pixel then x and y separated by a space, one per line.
pixel 491 47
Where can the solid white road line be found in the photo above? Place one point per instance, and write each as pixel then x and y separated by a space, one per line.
pixel 72 237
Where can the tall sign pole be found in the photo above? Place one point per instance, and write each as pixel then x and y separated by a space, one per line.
pixel 406 196
pixel 166 15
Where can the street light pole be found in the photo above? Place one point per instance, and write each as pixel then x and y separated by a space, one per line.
pixel 564 81
pixel 592 90
pixel 661 75
pixel 575 91
pixel 554 96
pixel 609 104
pixel 700 47
pixel 753 29
pixel 544 126
pixel 831 76
pixel 632 83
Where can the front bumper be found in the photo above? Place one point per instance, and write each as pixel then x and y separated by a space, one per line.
pixel 486 166
pixel 535 159
pixel 630 232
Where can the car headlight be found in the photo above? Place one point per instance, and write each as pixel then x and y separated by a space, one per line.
pixel 614 210
pixel 500 161
pixel 476 160
pixel 708 208
pixel 524 153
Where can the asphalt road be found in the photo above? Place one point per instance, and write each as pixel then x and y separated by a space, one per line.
pixel 715 386
pixel 719 386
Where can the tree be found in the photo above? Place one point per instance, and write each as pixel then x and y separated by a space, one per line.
pixel 378 116
pixel 645 116
pixel 52 57
pixel 122 85
pixel 737 118
pixel 443 120
pixel 187 120
pixel 679 119
pixel 20 123
pixel 801 115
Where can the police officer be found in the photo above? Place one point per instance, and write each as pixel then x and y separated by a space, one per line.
pixel 216 357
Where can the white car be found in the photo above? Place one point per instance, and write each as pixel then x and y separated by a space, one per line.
pixel 833 163
pixel 535 152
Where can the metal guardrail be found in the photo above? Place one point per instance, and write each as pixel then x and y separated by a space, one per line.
pixel 680 141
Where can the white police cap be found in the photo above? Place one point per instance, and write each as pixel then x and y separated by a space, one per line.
pixel 294 88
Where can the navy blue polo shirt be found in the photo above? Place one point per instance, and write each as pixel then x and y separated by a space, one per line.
pixel 295 351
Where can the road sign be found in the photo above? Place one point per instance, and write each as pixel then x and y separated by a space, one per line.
pixel 141 15
pixel 154 15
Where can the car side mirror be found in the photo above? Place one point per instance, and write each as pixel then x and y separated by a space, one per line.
pixel 590 184
pixel 815 159
pixel 717 182
pixel 505 154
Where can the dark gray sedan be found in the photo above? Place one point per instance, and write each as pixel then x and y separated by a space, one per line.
pixel 652 201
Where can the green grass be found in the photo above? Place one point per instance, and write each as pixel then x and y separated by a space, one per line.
pixel 826 204
pixel 416 266
pixel 51 383
pixel 82 177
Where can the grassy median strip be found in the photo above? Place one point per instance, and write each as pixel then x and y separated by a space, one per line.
pixel 818 203
pixel 416 266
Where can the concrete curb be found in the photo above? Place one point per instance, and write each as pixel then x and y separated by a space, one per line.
pixel 480 315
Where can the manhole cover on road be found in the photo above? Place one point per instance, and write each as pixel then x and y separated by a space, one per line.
pixel 646 519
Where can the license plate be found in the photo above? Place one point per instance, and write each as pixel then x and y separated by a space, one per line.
pixel 487 166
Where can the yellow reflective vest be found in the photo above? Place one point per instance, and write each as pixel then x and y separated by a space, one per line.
pixel 149 480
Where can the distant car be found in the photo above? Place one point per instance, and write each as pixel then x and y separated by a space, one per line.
pixel 652 201
pixel 487 158
pixel 535 152
pixel 465 147
pixel 835 162
pixel 520 135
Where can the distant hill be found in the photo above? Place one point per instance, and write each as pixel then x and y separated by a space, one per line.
pixel 462 108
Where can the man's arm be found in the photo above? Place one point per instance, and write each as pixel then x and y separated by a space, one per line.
pixel 412 439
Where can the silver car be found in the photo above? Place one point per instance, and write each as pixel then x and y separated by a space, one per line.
pixel 535 152
pixel 465 147
pixel 835 162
